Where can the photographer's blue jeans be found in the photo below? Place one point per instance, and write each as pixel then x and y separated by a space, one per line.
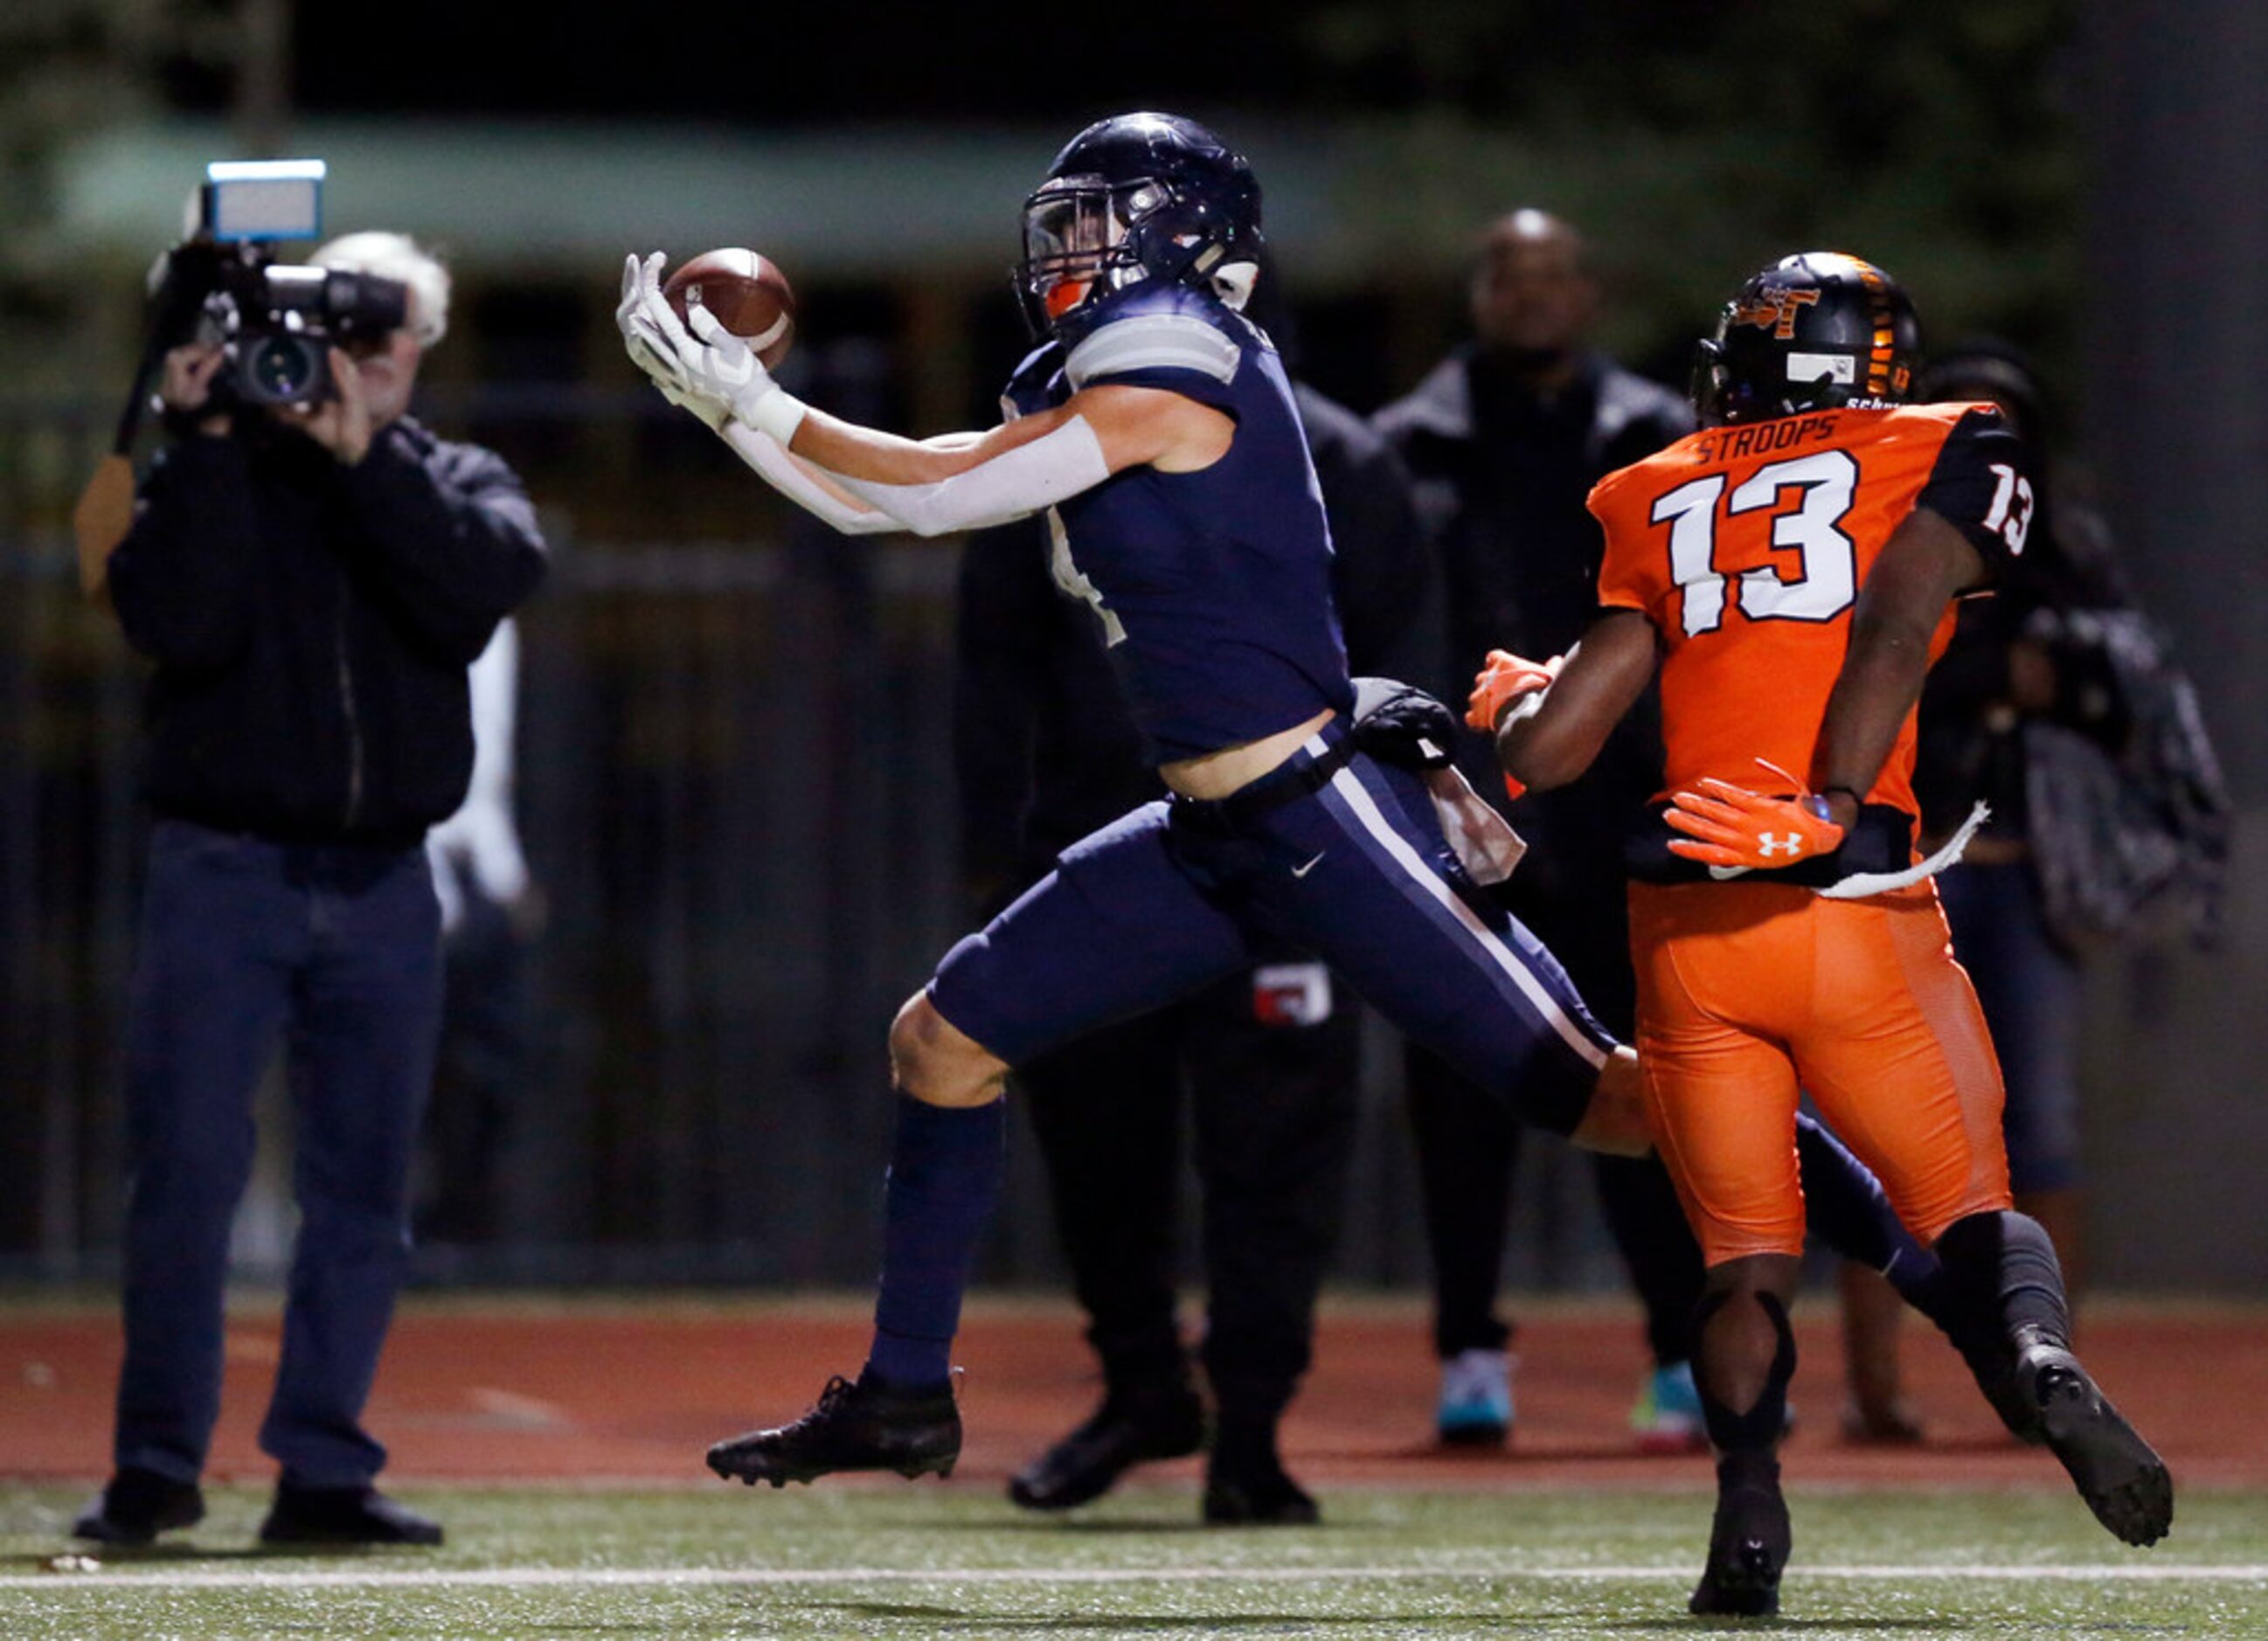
pixel 335 949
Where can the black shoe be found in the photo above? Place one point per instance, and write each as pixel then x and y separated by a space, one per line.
pixel 1748 1542
pixel 1254 1492
pixel 866 1425
pixel 136 1506
pixel 1130 1427
pixel 343 1515
pixel 2119 1475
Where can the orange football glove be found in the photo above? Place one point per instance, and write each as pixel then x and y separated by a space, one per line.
pixel 1503 680
pixel 1726 826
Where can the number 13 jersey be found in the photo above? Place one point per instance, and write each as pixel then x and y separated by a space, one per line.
pixel 1746 546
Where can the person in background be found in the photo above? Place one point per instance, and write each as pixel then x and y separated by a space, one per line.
pixel 2016 661
pixel 312 582
pixel 1504 439
pixel 491 910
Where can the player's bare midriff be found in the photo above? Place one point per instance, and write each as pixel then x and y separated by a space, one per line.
pixel 1217 774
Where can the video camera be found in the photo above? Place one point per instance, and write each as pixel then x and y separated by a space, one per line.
pixel 275 322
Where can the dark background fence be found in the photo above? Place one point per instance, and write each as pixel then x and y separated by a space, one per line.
pixel 736 788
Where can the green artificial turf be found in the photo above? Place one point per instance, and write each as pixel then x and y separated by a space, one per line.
pixel 959 1561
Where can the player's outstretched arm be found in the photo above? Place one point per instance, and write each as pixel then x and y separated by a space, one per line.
pixel 961 481
pixel 1009 478
pixel 808 487
pixel 1549 743
pixel 970 482
pixel 1926 563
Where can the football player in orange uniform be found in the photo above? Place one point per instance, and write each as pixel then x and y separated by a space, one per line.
pixel 1790 570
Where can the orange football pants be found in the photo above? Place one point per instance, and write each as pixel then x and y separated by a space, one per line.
pixel 1751 993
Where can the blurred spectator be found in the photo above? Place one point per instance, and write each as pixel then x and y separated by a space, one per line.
pixel 1505 438
pixel 312 582
pixel 2055 698
pixel 490 908
pixel 1265 1064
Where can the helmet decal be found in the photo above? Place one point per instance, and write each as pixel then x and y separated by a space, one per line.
pixel 1773 308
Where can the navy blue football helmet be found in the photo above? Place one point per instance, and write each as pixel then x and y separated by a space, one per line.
pixel 1136 197
pixel 1812 332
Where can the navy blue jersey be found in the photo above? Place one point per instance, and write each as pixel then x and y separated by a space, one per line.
pixel 1214 587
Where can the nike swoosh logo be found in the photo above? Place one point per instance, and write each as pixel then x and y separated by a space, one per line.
pixel 1301 872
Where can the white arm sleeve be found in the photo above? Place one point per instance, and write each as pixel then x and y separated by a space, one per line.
pixel 1012 485
pixel 781 471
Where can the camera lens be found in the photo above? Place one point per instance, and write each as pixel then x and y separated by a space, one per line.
pixel 281 369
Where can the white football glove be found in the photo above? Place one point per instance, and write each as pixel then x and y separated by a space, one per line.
pixel 713 373
pixel 665 383
pixel 662 371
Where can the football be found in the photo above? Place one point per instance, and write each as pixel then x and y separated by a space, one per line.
pixel 746 292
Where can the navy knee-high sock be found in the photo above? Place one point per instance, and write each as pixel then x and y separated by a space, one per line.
pixel 2004 1264
pixel 1845 1205
pixel 945 1165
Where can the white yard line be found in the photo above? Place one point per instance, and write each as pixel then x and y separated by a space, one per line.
pixel 113 1577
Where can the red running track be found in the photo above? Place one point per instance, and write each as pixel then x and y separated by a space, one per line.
pixel 496 1388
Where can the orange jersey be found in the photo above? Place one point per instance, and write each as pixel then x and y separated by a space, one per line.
pixel 1746 546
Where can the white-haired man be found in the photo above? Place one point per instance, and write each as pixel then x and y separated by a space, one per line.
pixel 312 582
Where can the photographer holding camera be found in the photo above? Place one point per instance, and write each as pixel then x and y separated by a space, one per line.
pixel 312 580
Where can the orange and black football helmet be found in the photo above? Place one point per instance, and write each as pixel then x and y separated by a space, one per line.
pixel 1816 331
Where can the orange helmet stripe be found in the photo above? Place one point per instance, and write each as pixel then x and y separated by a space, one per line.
pixel 1879 355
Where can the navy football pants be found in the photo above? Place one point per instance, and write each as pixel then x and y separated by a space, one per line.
pixel 336 950
pixel 1180 894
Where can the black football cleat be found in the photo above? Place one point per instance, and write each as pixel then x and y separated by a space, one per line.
pixel 135 1506
pixel 1255 1492
pixel 343 1516
pixel 1749 1543
pixel 2120 1476
pixel 865 1424
pixel 1133 1426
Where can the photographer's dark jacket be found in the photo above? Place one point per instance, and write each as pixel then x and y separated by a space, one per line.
pixel 313 623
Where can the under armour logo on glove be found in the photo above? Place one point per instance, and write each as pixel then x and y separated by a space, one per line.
pixel 1728 827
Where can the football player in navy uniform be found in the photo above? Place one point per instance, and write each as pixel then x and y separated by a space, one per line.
pixel 1155 428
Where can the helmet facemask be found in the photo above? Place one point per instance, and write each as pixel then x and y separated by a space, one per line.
pixel 1085 238
pixel 1077 235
